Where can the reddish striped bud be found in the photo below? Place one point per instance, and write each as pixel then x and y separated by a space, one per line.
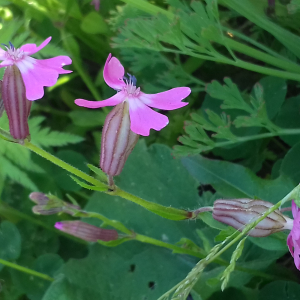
pixel 117 140
pixel 1 100
pixel 240 212
pixel 86 231
pixel 16 105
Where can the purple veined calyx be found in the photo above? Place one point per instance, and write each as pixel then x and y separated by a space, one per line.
pixel 1 100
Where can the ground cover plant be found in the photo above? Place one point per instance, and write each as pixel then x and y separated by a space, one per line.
pixel 194 107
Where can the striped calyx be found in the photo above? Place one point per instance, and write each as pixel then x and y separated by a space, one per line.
pixel 117 140
pixel 15 103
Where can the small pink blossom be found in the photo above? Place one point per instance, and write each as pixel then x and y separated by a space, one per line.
pixel 36 73
pixel 96 4
pixel 293 240
pixel 142 117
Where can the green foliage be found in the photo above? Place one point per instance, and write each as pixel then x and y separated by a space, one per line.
pixel 260 107
pixel 246 129
pixel 10 241
pixel 15 159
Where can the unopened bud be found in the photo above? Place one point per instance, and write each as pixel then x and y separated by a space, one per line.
pixel 240 212
pixel 1 100
pixel 15 103
pixel 86 231
pixel 50 205
pixel 117 140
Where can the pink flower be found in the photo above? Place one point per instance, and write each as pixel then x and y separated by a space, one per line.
pixel 36 73
pixel 293 240
pixel 96 4
pixel 142 117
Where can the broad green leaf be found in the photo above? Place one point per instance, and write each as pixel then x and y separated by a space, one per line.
pixel 274 92
pixel 274 242
pixel 289 117
pixel 280 290
pixel 33 286
pixel 10 241
pixel 290 164
pixel 235 181
pixel 143 271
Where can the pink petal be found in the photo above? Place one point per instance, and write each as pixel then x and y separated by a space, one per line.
pixel 290 243
pixel 5 63
pixel 113 73
pixel 32 48
pixel 56 63
pixel 36 78
pixel 144 118
pixel 112 101
pixel 296 256
pixel 39 73
pixel 295 209
pixel 167 100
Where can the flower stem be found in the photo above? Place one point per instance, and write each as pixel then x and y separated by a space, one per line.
pixel 60 163
pixel 176 249
pixel 166 212
pixel 25 270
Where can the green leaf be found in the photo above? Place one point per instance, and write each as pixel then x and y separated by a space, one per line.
pixel 274 242
pixel 10 241
pixel 235 181
pixel 280 290
pixel 274 92
pixel 93 23
pixel 288 117
pixel 89 187
pixel 35 287
pixel 99 172
pixel 290 164
pixel 95 276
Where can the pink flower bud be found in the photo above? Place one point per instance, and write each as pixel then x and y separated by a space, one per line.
pixel 240 212
pixel 86 231
pixel 117 140
pixel 16 105
pixel 50 205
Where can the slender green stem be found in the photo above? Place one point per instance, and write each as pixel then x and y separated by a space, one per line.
pixel 25 270
pixel 166 212
pixel 60 163
pixel 176 249
pixel 115 224
pixel 280 63
pixel 281 132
